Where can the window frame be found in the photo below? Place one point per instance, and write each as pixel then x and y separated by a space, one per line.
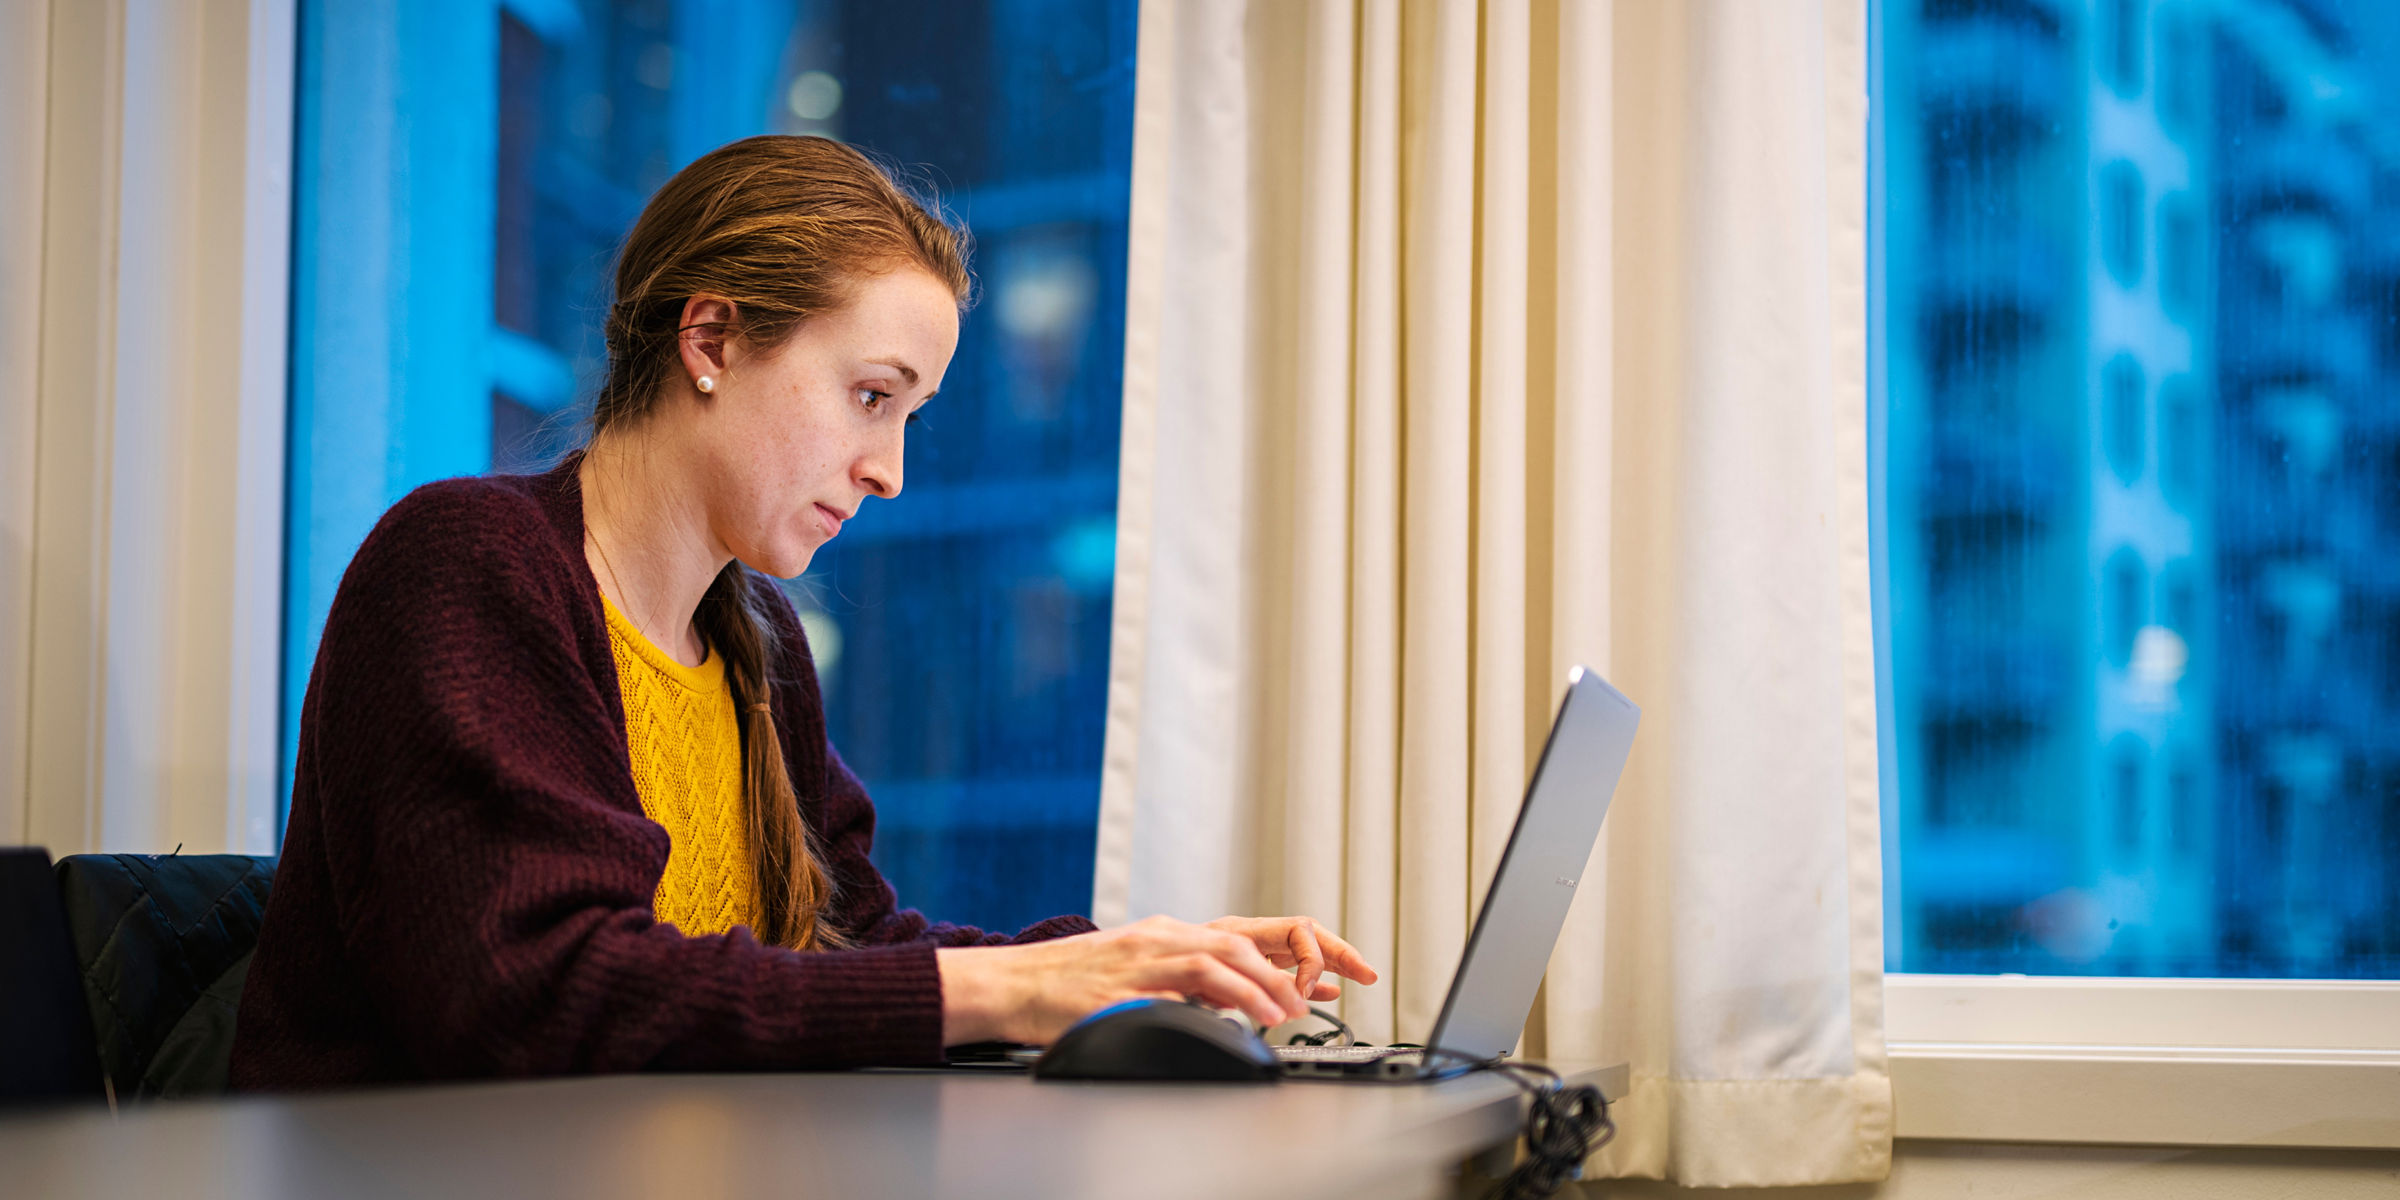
pixel 2103 1060
pixel 2238 1062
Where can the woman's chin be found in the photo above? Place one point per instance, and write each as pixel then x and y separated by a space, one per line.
pixel 783 562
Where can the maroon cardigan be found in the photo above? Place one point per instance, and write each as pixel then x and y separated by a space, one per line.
pixel 467 875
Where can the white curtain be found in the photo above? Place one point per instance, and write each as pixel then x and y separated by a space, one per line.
pixel 1467 342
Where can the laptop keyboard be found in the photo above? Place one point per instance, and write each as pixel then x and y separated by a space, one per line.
pixel 1338 1054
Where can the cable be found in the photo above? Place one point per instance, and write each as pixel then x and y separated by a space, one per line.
pixel 1563 1125
pixel 1339 1030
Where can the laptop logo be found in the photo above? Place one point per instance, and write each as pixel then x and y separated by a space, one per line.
pixel 1563 881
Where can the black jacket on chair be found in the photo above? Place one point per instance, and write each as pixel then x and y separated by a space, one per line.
pixel 163 943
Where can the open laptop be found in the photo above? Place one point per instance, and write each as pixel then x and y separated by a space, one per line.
pixel 1526 907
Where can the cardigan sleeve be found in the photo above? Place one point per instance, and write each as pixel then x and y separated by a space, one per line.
pixel 837 808
pixel 492 870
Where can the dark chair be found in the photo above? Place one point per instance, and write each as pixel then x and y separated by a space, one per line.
pixel 162 944
pixel 46 1047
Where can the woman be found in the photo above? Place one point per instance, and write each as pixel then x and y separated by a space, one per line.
pixel 564 800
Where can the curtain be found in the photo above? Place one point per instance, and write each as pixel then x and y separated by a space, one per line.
pixel 1467 342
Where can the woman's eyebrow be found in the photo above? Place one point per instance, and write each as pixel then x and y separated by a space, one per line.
pixel 906 372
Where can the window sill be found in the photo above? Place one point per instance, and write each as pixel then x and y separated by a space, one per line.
pixel 2146 1095
pixel 2145 1062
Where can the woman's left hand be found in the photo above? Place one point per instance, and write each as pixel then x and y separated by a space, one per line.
pixel 1303 944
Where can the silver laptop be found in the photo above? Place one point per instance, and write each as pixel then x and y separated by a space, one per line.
pixel 1518 926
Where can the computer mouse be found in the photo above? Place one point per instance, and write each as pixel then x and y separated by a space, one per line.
pixel 1158 1039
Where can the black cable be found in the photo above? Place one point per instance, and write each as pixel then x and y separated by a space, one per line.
pixel 1563 1125
pixel 1339 1030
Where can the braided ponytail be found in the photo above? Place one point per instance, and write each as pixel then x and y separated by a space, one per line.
pixel 793 884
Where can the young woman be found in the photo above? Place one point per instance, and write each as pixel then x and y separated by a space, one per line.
pixel 564 800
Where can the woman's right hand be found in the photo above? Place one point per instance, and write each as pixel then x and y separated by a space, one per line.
pixel 1033 992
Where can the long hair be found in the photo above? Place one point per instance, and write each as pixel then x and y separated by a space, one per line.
pixel 783 227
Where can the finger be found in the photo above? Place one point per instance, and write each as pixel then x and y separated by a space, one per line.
pixel 1242 955
pixel 1344 959
pixel 1326 989
pixel 1270 934
pixel 1218 984
pixel 1308 959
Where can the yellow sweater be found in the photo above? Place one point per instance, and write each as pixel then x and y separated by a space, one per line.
pixel 686 744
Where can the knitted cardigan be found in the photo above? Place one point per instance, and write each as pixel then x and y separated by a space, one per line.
pixel 466 882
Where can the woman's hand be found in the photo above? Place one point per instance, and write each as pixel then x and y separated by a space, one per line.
pixel 1033 992
pixel 1302 943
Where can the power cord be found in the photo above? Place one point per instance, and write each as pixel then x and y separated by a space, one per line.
pixel 1339 1030
pixel 1563 1125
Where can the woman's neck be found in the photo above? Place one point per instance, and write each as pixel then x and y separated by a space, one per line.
pixel 647 540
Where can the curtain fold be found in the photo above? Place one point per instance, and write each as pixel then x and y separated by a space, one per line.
pixel 1468 342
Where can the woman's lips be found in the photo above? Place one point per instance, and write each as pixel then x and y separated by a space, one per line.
pixel 831 520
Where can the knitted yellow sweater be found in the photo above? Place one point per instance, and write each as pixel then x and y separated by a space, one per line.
pixel 686 744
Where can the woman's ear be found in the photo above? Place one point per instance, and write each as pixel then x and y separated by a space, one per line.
pixel 701 336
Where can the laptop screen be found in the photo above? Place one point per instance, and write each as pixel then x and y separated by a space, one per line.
pixel 1522 914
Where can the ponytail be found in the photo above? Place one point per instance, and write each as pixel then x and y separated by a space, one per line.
pixel 793 885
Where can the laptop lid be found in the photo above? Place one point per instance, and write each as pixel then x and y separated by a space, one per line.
pixel 1557 825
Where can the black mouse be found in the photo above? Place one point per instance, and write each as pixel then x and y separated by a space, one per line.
pixel 1158 1039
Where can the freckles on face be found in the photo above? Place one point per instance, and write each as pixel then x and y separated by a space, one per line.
pixel 807 433
pixel 775 528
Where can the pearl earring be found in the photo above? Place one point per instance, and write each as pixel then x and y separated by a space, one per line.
pixel 706 383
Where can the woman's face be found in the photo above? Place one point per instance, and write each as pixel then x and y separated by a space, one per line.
pixel 794 439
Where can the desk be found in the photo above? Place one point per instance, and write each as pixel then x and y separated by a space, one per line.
pixel 868 1134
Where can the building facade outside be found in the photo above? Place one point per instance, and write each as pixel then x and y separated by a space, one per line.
pixel 461 267
pixel 2142 491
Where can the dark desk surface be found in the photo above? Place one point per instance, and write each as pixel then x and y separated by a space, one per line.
pixel 872 1134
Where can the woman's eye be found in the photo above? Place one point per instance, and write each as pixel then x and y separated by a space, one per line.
pixel 871 399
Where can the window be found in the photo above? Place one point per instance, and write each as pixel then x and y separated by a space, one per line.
pixel 2123 423
pixel 2121 43
pixel 450 280
pixel 2122 612
pixel 2179 257
pixel 2179 441
pixel 2121 222
pixel 2138 540
pixel 2182 71
pixel 2125 787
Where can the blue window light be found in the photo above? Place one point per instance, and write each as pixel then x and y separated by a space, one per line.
pixel 465 169
pixel 2140 722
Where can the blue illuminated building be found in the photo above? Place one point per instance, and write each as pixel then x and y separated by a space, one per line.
pixel 973 612
pixel 465 170
pixel 2139 320
pixel 2307 465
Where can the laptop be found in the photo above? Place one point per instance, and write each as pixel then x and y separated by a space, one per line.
pixel 1518 926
